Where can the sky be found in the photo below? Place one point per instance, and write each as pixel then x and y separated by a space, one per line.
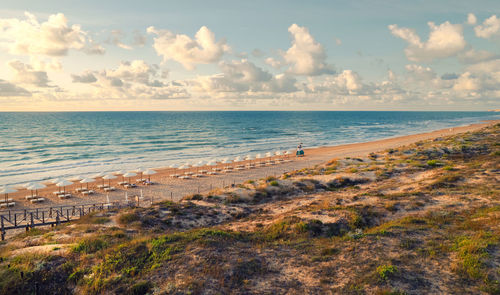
pixel 249 55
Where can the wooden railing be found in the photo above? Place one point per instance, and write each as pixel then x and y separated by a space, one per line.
pixel 30 218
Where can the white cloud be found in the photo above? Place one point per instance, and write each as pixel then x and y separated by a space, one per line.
pixel 306 56
pixel 275 63
pixel 467 82
pixel 137 71
pixel 445 40
pixel 421 73
pixel 243 77
pixel 489 28
pixel 116 37
pixel 132 80
pixel 474 56
pixel 86 77
pixel 25 74
pixel 203 49
pixel 471 19
pixel 52 38
pixel 8 89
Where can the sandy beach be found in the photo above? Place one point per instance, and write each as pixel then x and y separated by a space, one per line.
pixel 168 188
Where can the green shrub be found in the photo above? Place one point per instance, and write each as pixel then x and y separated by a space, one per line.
pixel 89 245
pixel 386 271
pixel 274 183
pixel 128 218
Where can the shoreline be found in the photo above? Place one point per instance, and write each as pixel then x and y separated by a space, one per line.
pixel 167 188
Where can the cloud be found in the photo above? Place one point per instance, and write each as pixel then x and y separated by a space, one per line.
pixel 243 77
pixel 420 73
pixel 116 37
pixel 9 89
pixel 306 56
pixel 474 56
pixel 445 40
pixel 275 63
pixel 258 53
pixel 203 49
pixel 132 80
pixel 139 39
pixel 52 38
pixel 137 71
pixel 87 77
pixel 25 74
pixel 471 19
pixel 489 28
pixel 449 76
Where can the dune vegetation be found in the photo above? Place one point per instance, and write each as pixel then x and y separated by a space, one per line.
pixel 420 219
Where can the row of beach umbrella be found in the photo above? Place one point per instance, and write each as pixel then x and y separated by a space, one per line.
pixel 63 183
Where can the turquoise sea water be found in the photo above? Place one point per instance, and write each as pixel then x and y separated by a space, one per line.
pixel 41 146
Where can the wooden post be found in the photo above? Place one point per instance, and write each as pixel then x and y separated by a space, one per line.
pixel 37 214
pixel 67 214
pixel 50 212
pixel 10 218
pixel 43 216
pixel 57 218
pixel 15 219
pixel 24 214
pixel 3 229
pixel 32 221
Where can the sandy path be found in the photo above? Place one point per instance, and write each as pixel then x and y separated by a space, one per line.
pixel 168 188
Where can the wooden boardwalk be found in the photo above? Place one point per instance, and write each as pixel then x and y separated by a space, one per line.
pixel 30 218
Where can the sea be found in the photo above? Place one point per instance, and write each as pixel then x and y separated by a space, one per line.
pixel 42 146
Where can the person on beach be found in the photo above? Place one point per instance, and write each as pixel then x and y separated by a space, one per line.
pixel 300 151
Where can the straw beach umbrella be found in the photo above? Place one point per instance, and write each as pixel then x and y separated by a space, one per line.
pixel 109 177
pixel 140 170
pixel 129 174
pixel 6 190
pixel 149 172
pixel 64 183
pixel 121 172
pixel 87 181
pixel 36 186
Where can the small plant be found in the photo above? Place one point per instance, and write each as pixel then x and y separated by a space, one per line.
pixel 433 163
pixel 274 183
pixel 386 271
pixel 128 218
pixel 89 245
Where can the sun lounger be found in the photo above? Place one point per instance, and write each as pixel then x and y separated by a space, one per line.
pixel 80 189
pixel 11 204
pixel 58 193
pixel 6 201
pixel 122 183
pixel 197 175
pixel 65 196
pixel 140 180
pixel 216 169
pixel 130 185
pixel 174 175
pixel 188 173
pixel 203 171
pixel 109 189
pixel 29 197
pixel 89 192
pixel 212 173
pixel 227 170
pixel 37 200
pixel 102 186
pixel 185 177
